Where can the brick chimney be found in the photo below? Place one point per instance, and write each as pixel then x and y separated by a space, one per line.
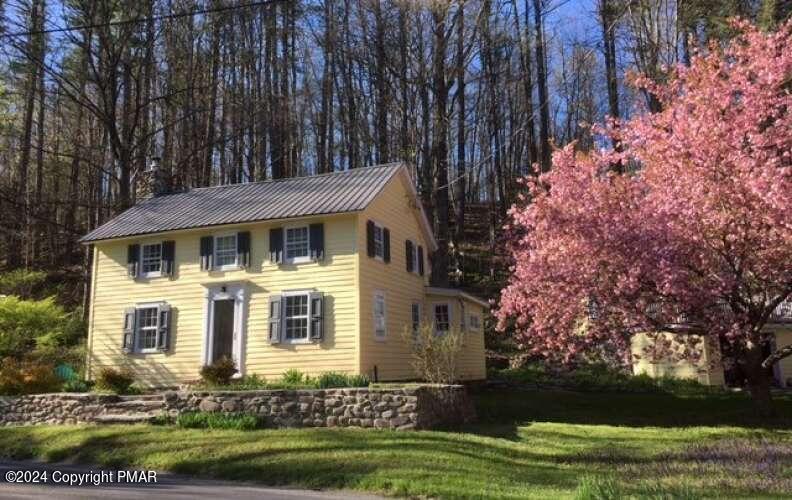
pixel 154 181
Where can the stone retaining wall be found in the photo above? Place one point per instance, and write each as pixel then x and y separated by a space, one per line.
pixel 420 407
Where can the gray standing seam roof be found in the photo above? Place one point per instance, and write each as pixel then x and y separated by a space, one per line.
pixel 339 192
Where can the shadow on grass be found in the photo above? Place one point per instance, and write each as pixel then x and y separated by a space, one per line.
pixel 502 411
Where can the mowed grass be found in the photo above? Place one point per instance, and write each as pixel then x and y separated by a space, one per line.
pixel 529 444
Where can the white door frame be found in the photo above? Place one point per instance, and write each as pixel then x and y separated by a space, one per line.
pixel 238 294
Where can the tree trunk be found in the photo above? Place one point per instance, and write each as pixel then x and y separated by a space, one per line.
pixel 541 77
pixel 758 381
pixel 381 86
pixel 459 182
pixel 440 145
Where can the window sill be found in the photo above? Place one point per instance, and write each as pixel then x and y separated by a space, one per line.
pixel 297 341
pixel 147 351
pixel 298 260
pixel 227 268
pixel 383 338
pixel 151 275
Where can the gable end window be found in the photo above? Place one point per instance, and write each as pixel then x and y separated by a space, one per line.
pixel 380 320
pixel 378 241
pixel 415 316
pixel 442 318
pixel 474 322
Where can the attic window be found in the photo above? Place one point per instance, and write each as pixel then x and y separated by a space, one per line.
pixel 379 242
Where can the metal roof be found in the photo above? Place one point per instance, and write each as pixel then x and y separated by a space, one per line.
pixel 338 192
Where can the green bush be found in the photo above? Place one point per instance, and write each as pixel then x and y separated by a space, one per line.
pixel 209 420
pixel 219 372
pixel 293 376
pixel 34 327
pixel 331 380
pixel 600 377
pixel 27 377
pixel 292 379
pixel 75 385
pixel 115 381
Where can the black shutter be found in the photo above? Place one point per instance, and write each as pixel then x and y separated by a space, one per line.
pixel 386 244
pixel 408 251
pixel 370 238
pixel 243 248
pixel 275 310
pixel 317 315
pixel 276 245
pixel 207 244
pixel 128 338
pixel 133 260
pixel 317 241
pixel 164 325
pixel 168 257
pixel 420 260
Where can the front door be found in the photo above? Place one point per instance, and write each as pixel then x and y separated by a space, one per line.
pixel 223 329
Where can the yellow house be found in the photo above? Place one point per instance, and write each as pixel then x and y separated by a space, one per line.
pixel 709 368
pixel 319 273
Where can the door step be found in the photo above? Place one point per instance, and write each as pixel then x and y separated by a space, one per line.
pixel 123 418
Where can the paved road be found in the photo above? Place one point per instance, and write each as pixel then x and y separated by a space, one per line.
pixel 168 486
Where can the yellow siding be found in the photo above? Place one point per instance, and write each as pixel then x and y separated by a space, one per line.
pixel 394 209
pixel 185 292
pixel 348 278
pixel 708 370
pixel 472 358
pixel 783 338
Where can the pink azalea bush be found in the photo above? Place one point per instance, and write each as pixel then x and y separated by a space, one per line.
pixel 699 227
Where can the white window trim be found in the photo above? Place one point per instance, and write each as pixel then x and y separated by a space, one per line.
pixel 420 315
pixel 434 316
pixel 296 293
pixel 296 260
pixel 381 227
pixel 378 294
pixel 150 274
pixel 226 267
pixel 138 332
pixel 471 326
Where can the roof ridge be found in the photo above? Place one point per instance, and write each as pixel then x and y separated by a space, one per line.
pixel 302 177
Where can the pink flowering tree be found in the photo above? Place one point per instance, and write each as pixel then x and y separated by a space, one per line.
pixel 698 230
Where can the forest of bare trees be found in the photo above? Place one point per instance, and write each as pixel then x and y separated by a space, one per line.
pixel 470 93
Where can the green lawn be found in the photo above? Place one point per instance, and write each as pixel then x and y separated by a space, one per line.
pixel 530 444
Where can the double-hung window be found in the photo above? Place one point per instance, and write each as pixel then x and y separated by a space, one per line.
pixel 380 323
pixel 147 329
pixel 225 251
pixel 442 318
pixel 379 242
pixel 296 316
pixel 151 260
pixel 297 244
pixel 415 316
pixel 474 322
